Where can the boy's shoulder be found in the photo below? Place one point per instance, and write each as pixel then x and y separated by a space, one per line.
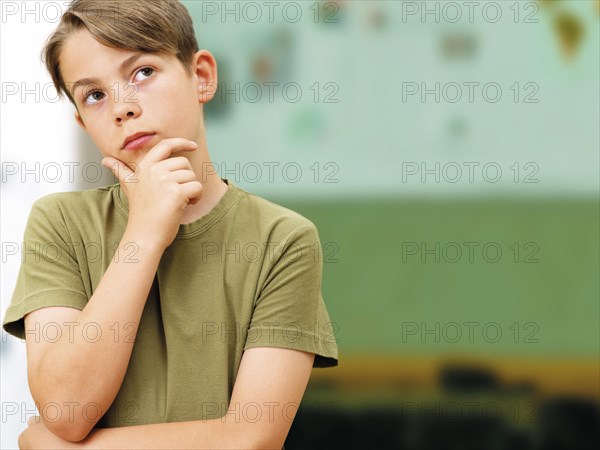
pixel 271 214
pixel 76 200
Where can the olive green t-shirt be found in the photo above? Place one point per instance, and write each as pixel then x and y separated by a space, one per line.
pixel 247 274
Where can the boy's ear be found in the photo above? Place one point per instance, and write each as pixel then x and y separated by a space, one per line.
pixel 204 67
pixel 79 120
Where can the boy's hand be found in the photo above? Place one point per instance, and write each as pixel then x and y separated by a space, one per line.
pixel 158 189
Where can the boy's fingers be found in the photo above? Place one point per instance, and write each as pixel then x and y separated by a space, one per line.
pixel 119 168
pixel 166 147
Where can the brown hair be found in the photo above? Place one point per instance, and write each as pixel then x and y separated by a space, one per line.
pixel 152 26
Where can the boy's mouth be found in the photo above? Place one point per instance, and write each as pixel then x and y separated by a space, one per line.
pixel 137 140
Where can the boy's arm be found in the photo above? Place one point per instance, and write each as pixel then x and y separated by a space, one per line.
pixel 266 395
pixel 74 371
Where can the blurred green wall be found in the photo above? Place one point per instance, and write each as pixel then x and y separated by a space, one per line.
pixel 358 129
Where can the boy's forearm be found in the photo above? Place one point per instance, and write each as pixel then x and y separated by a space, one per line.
pixel 220 433
pixel 77 371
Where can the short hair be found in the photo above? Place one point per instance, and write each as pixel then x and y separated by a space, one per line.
pixel 152 26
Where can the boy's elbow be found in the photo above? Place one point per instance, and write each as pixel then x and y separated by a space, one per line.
pixel 72 431
pixel 67 422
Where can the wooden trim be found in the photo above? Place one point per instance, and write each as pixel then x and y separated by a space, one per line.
pixel 549 376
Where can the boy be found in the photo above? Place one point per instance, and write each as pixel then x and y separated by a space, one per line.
pixel 219 289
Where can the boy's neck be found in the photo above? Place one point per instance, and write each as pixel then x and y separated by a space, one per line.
pixel 212 192
pixel 213 187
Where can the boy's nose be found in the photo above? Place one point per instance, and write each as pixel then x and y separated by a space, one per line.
pixel 119 117
pixel 125 104
pixel 125 110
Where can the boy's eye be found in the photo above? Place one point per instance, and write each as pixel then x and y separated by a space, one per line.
pixel 146 71
pixel 91 95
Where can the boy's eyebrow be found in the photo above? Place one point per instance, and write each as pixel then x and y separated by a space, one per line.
pixel 122 68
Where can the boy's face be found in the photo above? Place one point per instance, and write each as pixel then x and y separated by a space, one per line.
pixel 162 98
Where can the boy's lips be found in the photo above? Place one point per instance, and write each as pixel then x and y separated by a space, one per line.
pixel 137 140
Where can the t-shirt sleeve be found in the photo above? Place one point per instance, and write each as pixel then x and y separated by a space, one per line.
pixel 290 311
pixel 49 274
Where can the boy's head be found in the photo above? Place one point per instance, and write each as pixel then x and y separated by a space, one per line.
pixel 151 26
pixel 170 79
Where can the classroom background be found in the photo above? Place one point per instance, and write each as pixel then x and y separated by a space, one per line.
pixel 448 154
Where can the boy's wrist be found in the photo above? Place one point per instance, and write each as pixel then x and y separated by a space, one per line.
pixel 142 241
